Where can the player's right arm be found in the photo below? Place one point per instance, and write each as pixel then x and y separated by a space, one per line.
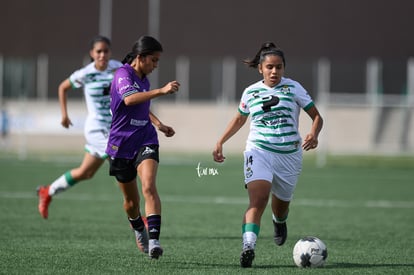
pixel 62 90
pixel 233 127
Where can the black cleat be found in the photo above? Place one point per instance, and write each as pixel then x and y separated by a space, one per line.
pixel 247 257
pixel 280 233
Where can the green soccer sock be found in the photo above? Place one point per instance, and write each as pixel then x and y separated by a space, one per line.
pixel 250 233
pixel 69 179
pixel 62 183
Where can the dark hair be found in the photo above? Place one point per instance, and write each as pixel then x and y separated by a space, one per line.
pixel 145 45
pixel 99 38
pixel 267 48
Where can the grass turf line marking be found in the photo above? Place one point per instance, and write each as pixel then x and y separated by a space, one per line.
pixel 225 200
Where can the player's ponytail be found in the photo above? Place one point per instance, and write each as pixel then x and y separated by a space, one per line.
pixel 128 58
pixel 144 46
pixel 266 49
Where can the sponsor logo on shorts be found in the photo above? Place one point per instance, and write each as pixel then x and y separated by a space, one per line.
pixel 249 172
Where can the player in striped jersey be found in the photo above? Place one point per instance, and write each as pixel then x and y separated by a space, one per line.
pixel 273 154
pixel 95 78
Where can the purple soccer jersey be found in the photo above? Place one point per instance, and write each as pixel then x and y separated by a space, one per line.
pixel 131 126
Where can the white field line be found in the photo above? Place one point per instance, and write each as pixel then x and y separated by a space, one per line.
pixel 224 200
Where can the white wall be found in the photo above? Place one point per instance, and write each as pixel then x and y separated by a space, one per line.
pixel 36 126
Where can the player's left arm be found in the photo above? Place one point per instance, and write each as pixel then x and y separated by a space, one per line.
pixel 167 130
pixel 311 139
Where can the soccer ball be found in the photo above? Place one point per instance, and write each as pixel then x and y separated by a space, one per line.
pixel 310 252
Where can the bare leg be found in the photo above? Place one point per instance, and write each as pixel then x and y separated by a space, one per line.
pixel 280 208
pixel 90 164
pixel 131 206
pixel 147 171
pixel 88 167
pixel 131 198
pixel 258 197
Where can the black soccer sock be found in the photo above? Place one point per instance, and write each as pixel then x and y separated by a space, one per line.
pixel 137 224
pixel 154 226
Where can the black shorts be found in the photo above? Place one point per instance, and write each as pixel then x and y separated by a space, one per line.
pixel 125 170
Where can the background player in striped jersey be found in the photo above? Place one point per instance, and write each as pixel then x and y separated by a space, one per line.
pixel 273 154
pixel 95 78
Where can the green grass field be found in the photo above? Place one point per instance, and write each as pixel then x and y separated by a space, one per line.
pixel 361 207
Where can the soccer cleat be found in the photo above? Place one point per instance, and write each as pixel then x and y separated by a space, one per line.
pixel 280 232
pixel 141 238
pixel 247 256
pixel 44 200
pixel 155 249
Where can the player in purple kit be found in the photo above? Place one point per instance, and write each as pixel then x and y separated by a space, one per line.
pixel 133 141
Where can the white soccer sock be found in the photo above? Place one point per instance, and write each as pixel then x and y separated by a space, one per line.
pixel 249 238
pixel 59 185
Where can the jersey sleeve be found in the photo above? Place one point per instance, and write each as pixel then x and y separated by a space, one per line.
pixel 243 105
pixel 303 98
pixel 77 78
pixel 124 83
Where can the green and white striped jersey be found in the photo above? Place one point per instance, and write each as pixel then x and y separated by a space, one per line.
pixel 274 114
pixel 96 90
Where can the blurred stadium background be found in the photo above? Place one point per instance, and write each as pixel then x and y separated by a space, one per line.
pixel 354 57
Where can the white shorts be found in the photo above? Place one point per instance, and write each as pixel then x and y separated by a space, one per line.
pixel 96 141
pixel 281 170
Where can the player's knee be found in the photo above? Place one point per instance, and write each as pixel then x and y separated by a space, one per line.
pixel 149 189
pixel 88 175
pixel 259 202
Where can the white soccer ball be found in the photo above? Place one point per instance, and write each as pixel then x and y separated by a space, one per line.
pixel 310 252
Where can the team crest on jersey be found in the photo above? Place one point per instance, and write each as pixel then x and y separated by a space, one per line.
pixel 285 89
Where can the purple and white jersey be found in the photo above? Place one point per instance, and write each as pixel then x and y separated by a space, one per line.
pixel 131 126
